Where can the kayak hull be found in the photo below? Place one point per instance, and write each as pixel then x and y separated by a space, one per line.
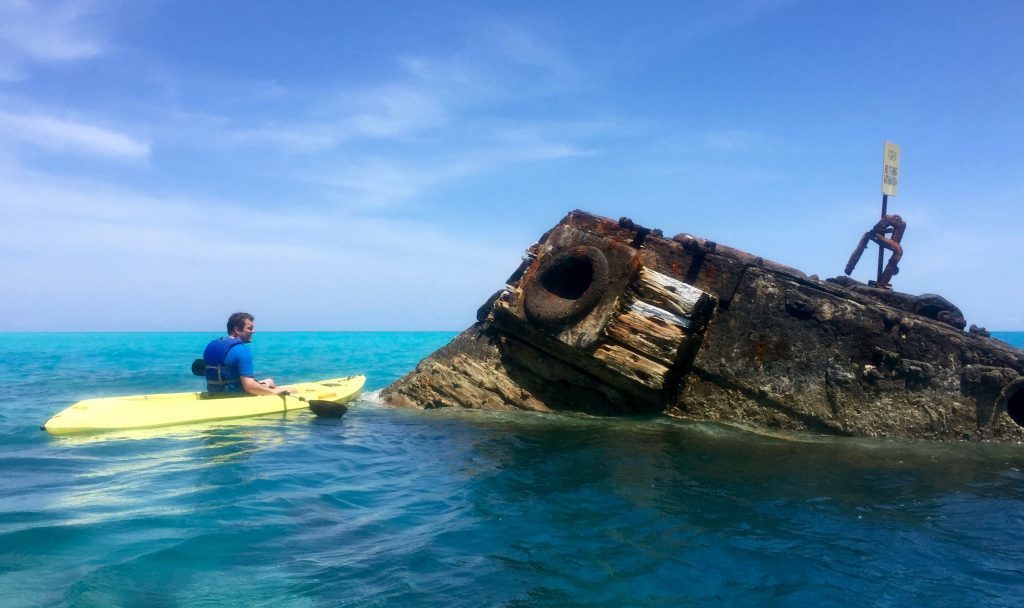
pixel 148 411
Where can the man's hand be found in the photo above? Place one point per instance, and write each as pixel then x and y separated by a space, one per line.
pixel 251 386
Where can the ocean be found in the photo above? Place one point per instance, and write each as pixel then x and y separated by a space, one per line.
pixel 394 507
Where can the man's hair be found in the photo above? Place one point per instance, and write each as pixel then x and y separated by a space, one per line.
pixel 238 320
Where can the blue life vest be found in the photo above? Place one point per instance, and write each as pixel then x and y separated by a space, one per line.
pixel 221 378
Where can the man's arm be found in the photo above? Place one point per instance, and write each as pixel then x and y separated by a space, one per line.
pixel 252 387
pixel 249 383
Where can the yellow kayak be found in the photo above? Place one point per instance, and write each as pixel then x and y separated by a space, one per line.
pixel 147 411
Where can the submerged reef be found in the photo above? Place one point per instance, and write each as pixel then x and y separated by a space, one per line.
pixel 608 317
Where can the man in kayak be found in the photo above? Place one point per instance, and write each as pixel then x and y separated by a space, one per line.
pixel 229 362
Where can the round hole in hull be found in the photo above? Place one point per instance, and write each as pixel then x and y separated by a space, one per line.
pixel 566 286
pixel 569 277
pixel 1015 406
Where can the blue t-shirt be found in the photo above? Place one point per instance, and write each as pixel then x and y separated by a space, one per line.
pixel 239 360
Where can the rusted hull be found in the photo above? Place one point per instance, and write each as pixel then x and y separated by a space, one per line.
pixel 608 317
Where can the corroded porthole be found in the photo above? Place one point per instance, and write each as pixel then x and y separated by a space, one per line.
pixel 1014 399
pixel 566 286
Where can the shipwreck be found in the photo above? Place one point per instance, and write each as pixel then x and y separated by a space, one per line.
pixel 611 318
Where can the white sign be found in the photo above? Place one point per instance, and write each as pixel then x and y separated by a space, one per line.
pixel 890 169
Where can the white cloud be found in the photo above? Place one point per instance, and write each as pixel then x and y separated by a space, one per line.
pixel 427 94
pixel 437 119
pixel 118 259
pixel 394 110
pixel 446 72
pixel 295 138
pixel 70 136
pixel 376 182
pixel 721 17
pixel 388 112
pixel 45 32
pixel 542 141
pixel 735 140
pixel 433 121
pixel 522 46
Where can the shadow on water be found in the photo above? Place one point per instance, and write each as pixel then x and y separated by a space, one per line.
pixel 452 508
pixel 658 511
pixel 457 508
pixel 659 452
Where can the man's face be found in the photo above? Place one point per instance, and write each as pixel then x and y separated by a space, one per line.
pixel 245 331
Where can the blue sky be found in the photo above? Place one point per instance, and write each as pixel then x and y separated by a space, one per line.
pixel 382 166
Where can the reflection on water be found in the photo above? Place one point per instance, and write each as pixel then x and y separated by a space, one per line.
pixel 455 508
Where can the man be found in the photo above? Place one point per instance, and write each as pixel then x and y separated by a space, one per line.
pixel 229 362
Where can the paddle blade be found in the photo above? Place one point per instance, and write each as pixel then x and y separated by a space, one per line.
pixel 328 409
pixel 198 367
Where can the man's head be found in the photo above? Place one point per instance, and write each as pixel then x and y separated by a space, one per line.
pixel 240 325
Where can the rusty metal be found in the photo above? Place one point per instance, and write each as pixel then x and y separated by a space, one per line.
pixel 739 340
pixel 881 250
pixel 887 233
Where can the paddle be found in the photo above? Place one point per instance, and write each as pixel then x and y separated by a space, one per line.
pixel 323 409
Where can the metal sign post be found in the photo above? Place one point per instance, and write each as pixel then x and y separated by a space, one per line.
pixel 888 232
pixel 890 184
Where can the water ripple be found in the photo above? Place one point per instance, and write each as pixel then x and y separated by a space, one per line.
pixel 449 508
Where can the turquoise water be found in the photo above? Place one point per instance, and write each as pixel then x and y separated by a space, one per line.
pixel 391 507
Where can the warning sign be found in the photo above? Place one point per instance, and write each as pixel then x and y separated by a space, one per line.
pixel 890 169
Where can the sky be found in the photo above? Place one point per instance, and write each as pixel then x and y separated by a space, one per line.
pixel 383 165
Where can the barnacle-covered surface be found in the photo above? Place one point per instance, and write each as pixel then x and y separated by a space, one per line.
pixel 608 317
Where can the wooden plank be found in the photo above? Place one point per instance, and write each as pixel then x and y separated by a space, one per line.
pixel 513 325
pixel 639 307
pixel 674 296
pixel 668 293
pixel 639 341
pixel 641 370
pixel 649 336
